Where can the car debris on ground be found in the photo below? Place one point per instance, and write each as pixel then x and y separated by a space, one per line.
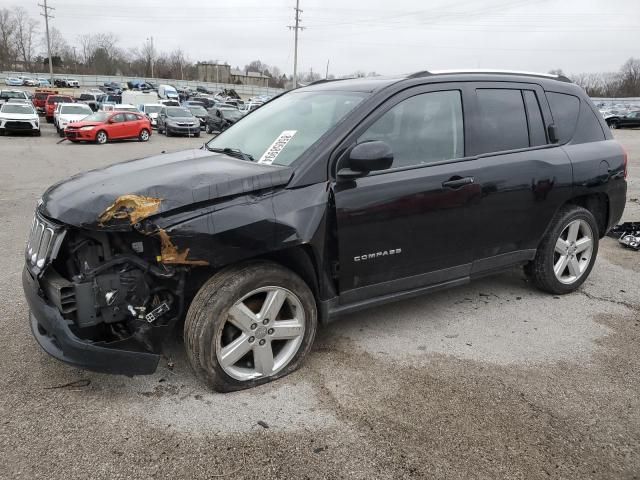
pixel 628 234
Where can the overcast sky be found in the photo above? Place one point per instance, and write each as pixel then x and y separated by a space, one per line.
pixel 385 36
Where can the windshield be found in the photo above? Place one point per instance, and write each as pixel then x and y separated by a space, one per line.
pixel 283 129
pixel 97 117
pixel 178 112
pixel 231 114
pixel 152 108
pixel 198 111
pixel 17 108
pixel 75 110
pixel 6 94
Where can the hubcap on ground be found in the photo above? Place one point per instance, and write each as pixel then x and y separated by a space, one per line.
pixel 573 251
pixel 262 333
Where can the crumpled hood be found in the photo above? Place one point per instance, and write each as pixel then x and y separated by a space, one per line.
pixel 102 198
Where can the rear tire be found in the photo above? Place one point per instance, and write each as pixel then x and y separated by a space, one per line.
pixel 567 251
pixel 258 344
pixel 49 119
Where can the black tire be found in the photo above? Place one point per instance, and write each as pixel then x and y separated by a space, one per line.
pixel 613 124
pixel 197 135
pixel 61 132
pixel 37 133
pixel 49 119
pixel 167 132
pixel 208 129
pixel 540 269
pixel 208 314
pixel 160 131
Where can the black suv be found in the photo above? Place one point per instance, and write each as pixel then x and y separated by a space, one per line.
pixel 329 199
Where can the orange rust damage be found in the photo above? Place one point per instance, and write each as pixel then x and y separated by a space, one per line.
pixel 170 254
pixel 132 207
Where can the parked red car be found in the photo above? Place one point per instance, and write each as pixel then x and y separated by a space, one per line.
pixel 50 105
pixel 40 98
pixel 104 126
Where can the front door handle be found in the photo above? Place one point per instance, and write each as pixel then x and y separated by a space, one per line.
pixel 457 182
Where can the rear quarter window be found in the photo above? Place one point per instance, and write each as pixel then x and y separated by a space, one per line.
pixel 564 109
pixel 589 129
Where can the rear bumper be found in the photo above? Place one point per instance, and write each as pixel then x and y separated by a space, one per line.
pixel 53 334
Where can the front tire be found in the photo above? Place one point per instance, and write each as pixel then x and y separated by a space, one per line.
pixel 249 325
pixel 613 124
pixel 567 252
pixel 144 135
pixel 101 137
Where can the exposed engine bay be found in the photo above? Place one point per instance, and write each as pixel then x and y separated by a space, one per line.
pixel 113 289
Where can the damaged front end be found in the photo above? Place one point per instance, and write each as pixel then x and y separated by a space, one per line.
pixel 110 251
pixel 104 300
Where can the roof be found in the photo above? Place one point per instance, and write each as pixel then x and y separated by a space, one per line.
pixel 371 84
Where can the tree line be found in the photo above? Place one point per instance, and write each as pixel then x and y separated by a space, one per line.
pixel 23 47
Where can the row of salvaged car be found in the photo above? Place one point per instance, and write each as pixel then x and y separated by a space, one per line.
pixel 76 119
pixel 620 115
pixel 25 81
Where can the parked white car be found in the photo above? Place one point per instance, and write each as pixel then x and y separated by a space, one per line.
pixel 19 117
pixel 151 110
pixel 6 95
pixel 126 107
pixel 67 113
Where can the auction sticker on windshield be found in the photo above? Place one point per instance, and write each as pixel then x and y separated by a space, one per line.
pixel 277 146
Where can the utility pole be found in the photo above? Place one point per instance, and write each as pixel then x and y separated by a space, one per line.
pixel 47 16
pixel 326 75
pixel 295 28
pixel 152 52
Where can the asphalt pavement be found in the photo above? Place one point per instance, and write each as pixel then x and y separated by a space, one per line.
pixel 491 380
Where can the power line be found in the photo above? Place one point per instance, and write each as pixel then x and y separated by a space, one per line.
pixel 45 13
pixel 296 28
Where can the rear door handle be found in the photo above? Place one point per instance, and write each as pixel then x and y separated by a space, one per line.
pixel 457 182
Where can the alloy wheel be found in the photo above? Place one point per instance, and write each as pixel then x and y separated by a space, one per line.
pixel 262 334
pixel 573 251
pixel 101 137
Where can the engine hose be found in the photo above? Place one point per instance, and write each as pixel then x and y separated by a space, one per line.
pixel 137 261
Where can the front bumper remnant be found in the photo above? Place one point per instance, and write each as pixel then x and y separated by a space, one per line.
pixel 53 334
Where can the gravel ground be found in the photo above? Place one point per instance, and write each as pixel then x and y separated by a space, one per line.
pixel 491 380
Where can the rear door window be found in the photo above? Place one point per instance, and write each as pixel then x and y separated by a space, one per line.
pixel 132 117
pixel 565 109
pixel 537 135
pixel 503 121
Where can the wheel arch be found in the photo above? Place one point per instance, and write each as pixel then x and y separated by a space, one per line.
pixel 598 205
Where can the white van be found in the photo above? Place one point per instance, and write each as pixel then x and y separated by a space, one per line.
pixel 168 92
pixel 136 97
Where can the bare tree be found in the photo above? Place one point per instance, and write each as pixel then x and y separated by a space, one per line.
pixel 7 29
pixel 630 78
pixel 25 35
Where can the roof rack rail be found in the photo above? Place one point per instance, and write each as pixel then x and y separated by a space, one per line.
pixel 426 73
pixel 327 80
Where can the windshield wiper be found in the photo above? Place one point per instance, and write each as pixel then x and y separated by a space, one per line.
pixel 232 152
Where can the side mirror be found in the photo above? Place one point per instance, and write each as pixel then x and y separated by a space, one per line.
pixel 366 157
pixel 552 130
